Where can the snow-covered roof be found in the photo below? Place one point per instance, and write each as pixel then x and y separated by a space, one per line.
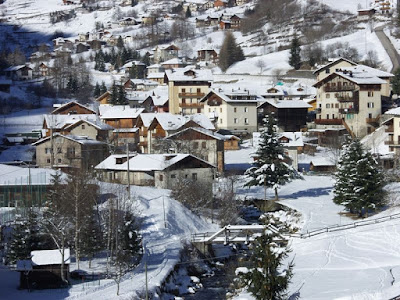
pixel 83 140
pixel 322 162
pixel 332 63
pixel 121 130
pixel 134 62
pixel 207 132
pixel 287 103
pixel 68 104
pixel 232 95
pixel 147 118
pixel 295 139
pixel 173 61
pixel 108 111
pixel 98 124
pixel 155 75
pixel 10 175
pixel 393 111
pixel 60 121
pixel 15 68
pixel 50 257
pixel 144 162
pixel 181 74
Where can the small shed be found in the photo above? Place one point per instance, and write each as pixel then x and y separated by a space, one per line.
pixel 43 270
pixel 322 165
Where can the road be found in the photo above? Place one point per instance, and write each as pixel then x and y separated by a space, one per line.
pixel 390 49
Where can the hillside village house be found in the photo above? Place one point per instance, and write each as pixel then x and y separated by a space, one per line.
pixel 95 130
pixel 173 63
pixel 58 123
pixel 155 127
pixel 72 108
pixel 186 86
pixel 291 115
pixel 165 52
pixel 68 152
pixel 234 110
pixel 159 170
pixel 332 66
pixel 392 127
pixel 209 55
pixel 21 72
pixel 200 142
pixel 352 97
pixel 44 70
pixel 119 116
pixel 43 269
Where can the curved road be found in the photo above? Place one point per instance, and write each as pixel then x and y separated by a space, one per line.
pixel 390 49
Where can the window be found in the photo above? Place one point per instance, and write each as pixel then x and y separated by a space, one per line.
pixel 83 126
pixel 327 116
pixel 246 121
pixel 198 91
pixel 59 160
pixel 235 120
pixel 209 109
pixel 48 160
pixel 333 116
pixel 183 100
pixel 370 104
pixel 194 176
pixel 173 176
pixel 203 145
pixel 327 71
pixel 47 150
pixel 71 151
pixel 328 105
pixel 59 150
pixel 370 93
pixel 161 177
pixel 220 109
pixel 337 105
pixel 195 145
pixel 234 109
pixel 328 95
pixel 246 109
pixel 183 90
pixel 220 121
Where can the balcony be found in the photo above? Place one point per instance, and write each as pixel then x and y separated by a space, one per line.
pixel 191 105
pixel 346 98
pixel 191 95
pixel 392 143
pixel 345 111
pixel 143 144
pixel 158 135
pixel 373 121
pixel 339 88
pixel 390 129
pixel 328 121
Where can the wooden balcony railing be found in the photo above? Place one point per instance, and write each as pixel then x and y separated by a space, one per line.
pixel 372 120
pixel 328 121
pixel 191 95
pixel 348 111
pixel 390 129
pixel 339 88
pixel 191 105
pixel 346 98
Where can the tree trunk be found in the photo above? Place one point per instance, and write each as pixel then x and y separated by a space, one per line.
pixel 276 194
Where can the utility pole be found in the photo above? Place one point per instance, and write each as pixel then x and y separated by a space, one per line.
pixel 163 205
pixel 128 175
pixel 147 286
pixel 52 148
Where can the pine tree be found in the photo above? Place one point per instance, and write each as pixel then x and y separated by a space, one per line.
pixel 230 52
pixel 18 247
pixel 96 91
pixel 359 183
pixel 121 97
pixel 295 58
pixel 269 168
pixel 114 95
pixel 133 72
pixel 188 13
pixel 396 82
pixel 103 88
pixel 120 42
pixel 268 279
pixel 91 236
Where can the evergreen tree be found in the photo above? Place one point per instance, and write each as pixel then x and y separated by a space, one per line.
pixel 188 13
pixel 91 236
pixel 133 72
pixel 269 168
pixel 146 59
pixel 103 88
pixel 396 82
pixel 130 241
pixel 295 58
pixel 18 247
pixel 359 182
pixel 121 97
pixel 96 91
pixel 268 279
pixel 114 95
pixel 120 42
pixel 230 52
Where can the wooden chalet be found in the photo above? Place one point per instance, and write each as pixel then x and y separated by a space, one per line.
pixel 73 108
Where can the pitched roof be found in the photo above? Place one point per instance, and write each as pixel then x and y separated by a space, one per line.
pixel 97 124
pixel 108 111
pixel 170 122
pixel 286 103
pixel 180 74
pixel 333 63
pixel 145 162
pixel 207 132
pixel 83 140
pixel 60 121
pixel 70 104
pixel 49 257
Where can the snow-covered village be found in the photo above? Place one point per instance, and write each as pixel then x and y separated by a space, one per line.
pixel 199 149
